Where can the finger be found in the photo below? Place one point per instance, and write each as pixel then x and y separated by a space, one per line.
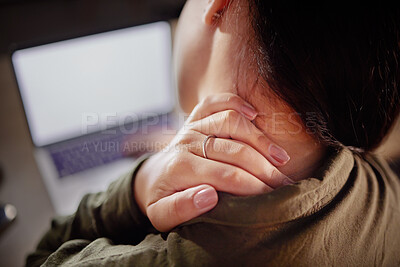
pixel 194 170
pixel 180 207
pixel 220 102
pixel 231 124
pixel 241 155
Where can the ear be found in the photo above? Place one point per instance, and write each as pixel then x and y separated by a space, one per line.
pixel 214 10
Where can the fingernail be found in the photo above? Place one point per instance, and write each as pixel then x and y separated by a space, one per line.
pixel 287 181
pixel 279 154
pixel 205 198
pixel 249 112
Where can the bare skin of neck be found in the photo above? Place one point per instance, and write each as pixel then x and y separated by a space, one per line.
pixel 283 126
pixel 276 119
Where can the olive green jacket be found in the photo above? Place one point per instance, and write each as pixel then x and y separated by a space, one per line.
pixel 346 215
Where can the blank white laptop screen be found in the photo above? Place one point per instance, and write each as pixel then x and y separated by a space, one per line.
pixel 101 76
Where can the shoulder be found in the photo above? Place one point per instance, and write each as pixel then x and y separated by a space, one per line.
pixel 376 167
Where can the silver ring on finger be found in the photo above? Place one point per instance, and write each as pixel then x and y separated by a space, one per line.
pixel 205 143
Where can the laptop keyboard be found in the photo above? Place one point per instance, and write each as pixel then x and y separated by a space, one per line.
pixel 79 155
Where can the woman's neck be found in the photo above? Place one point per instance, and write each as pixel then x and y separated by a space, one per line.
pixel 228 73
pixel 280 123
pixel 284 127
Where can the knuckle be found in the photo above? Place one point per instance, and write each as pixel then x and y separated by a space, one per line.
pixel 262 140
pixel 159 191
pixel 237 179
pixel 206 100
pixel 234 100
pixel 225 148
pixel 233 177
pixel 188 137
pixel 181 160
pixel 236 151
pixel 274 174
pixel 176 164
pixel 190 128
pixel 223 116
pixel 275 177
pixel 243 152
pixel 232 115
pixel 235 122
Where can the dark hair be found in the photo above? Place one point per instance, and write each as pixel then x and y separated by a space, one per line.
pixel 339 65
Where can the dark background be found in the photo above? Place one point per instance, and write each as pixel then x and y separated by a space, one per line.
pixel 31 22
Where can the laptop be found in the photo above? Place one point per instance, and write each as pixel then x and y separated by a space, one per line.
pixel 84 97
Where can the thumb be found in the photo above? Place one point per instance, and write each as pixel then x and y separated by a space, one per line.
pixel 181 207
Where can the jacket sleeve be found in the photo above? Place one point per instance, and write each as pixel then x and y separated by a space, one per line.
pixel 113 215
pixel 152 251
